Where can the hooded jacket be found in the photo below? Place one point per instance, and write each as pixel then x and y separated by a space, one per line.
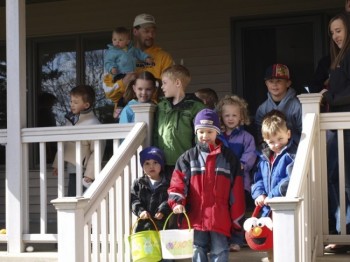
pixel 272 179
pixel 290 106
pixel 207 181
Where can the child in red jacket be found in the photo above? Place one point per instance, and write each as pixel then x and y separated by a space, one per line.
pixel 207 184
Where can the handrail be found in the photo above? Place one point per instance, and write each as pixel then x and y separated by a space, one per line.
pixel 303 157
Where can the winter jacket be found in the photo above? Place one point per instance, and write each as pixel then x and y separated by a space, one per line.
pixel 290 106
pixel 173 126
pixel 242 144
pixel 207 181
pixel 144 198
pixel 338 95
pixel 272 179
pixel 87 146
pixel 123 60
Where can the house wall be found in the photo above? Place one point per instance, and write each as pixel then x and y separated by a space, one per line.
pixel 196 32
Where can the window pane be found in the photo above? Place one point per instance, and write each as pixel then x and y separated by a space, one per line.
pixel 94 48
pixel 57 76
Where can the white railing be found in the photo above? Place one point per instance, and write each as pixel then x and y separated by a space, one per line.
pixel 98 222
pixel 300 219
pixel 134 136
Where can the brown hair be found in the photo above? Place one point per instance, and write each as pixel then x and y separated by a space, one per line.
pixel 337 54
pixel 129 92
pixel 208 96
pixel 86 92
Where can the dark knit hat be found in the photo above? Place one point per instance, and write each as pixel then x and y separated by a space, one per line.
pixel 207 118
pixel 278 71
pixel 153 153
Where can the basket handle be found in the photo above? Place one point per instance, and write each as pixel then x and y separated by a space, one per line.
pixel 133 226
pixel 188 221
pixel 256 211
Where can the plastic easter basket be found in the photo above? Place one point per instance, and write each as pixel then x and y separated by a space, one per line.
pixel 177 243
pixel 145 245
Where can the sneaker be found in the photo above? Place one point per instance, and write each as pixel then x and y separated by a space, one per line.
pixel 336 249
pixel 234 248
pixel 87 182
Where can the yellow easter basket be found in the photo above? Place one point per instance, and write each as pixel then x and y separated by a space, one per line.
pixel 145 245
pixel 177 243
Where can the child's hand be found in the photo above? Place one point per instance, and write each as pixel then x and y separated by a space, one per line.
pixel 144 215
pixel 114 71
pixel 265 201
pixel 55 172
pixel 149 60
pixel 259 201
pixel 159 215
pixel 242 166
pixel 179 209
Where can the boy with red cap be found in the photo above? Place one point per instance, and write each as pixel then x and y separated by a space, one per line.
pixel 282 97
pixel 207 184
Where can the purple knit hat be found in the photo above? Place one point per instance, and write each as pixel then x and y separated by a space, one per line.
pixel 153 153
pixel 207 118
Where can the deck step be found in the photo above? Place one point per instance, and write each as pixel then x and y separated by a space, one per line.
pixel 29 257
pixel 334 257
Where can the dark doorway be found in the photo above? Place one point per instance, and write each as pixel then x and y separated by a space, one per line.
pixel 294 41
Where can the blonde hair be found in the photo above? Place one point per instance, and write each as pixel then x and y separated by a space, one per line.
pixel 273 122
pixel 178 72
pixel 238 101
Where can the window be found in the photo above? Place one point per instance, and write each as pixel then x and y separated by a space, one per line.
pixel 59 65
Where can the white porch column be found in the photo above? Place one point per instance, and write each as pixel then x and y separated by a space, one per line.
pixel 70 228
pixel 16 119
pixel 144 112
pixel 310 103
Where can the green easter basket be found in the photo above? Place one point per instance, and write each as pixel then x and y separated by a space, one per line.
pixel 177 243
pixel 145 245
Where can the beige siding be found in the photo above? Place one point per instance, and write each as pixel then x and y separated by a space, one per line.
pixel 198 32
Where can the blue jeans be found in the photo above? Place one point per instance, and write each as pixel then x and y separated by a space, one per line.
pixel 208 241
pixel 333 177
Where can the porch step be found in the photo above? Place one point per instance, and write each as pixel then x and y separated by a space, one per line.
pixel 29 257
pixel 334 257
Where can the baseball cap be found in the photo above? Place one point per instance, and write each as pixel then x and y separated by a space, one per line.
pixel 279 71
pixel 144 19
pixel 207 118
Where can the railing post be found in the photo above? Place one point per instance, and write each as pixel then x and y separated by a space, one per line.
pixel 311 104
pixel 144 112
pixel 285 221
pixel 70 228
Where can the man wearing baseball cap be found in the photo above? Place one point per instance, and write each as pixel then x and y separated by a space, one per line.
pixel 144 37
pixel 144 30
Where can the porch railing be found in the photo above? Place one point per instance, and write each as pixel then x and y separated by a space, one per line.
pixel 300 220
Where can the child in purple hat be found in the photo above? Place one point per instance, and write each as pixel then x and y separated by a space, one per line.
pixel 149 192
pixel 206 183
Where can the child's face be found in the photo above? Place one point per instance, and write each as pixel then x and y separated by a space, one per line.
pixel 277 88
pixel 169 86
pixel 144 90
pixel 206 135
pixel 152 169
pixel 278 141
pixel 77 104
pixel 120 40
pixel 231 117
